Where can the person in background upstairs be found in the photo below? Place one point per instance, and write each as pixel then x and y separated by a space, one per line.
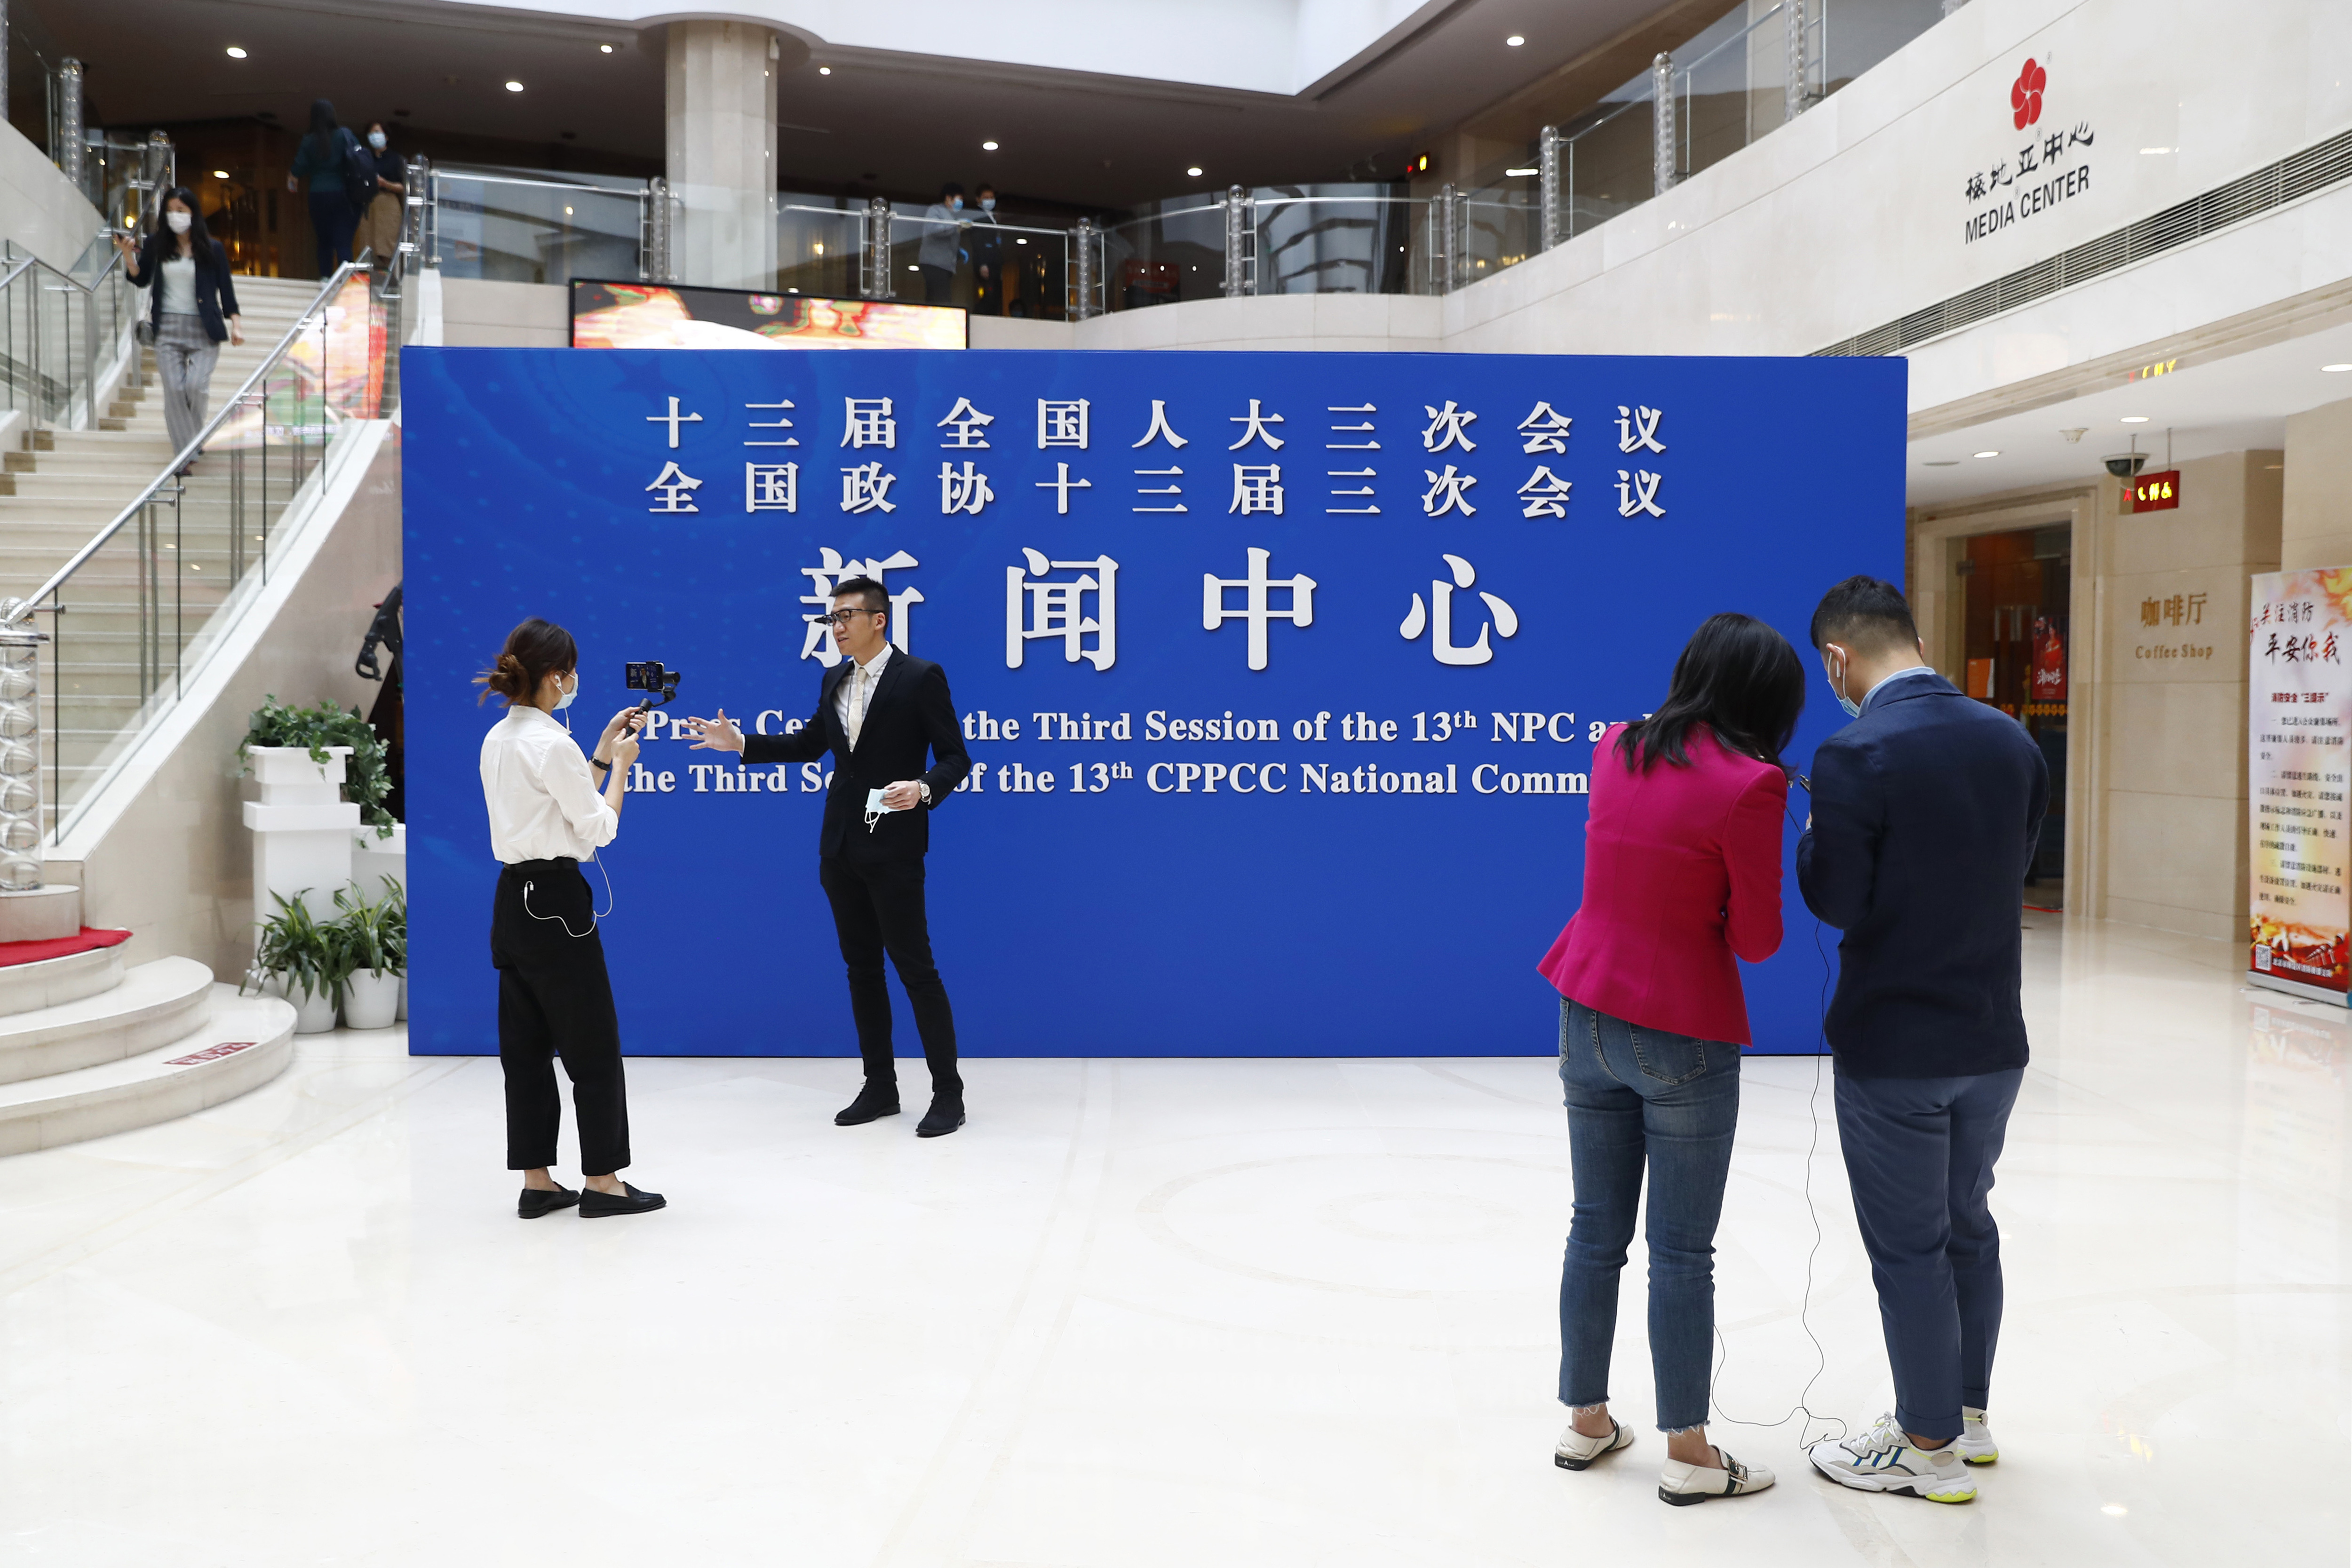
pixel 1925 812
pixel 324 161
pixel 1682 877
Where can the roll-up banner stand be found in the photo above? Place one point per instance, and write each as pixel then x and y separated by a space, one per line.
pixel 2298 714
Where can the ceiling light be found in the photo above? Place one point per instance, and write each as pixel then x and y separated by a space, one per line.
pixel 234 53
pixel 914 269
pixel 824 70
pixel 604 48
pixel 2154 151
pixel 1994 453
pixel 514 87
pixel 2115 1510
pixel 2336 369
pixel 1515 40
pixel 1520 173
pixel 1194 171
pixel 1020 242
pixel 988 146
pixel 220 173
pixel 2135 419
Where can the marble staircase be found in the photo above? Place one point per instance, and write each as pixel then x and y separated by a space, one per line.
pixel 61 487
pixel 90 1047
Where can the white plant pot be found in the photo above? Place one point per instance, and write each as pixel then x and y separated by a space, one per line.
pixel 370 1001
pixel 404 998
pixel 314 1014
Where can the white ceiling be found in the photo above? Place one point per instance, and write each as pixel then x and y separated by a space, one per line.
pixel 2234 405
pixel 900 118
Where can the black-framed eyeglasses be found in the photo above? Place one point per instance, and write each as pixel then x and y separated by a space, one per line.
pixel 840 619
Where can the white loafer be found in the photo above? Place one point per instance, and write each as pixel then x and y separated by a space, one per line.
pixel 1575 1450
pixel 1683 1485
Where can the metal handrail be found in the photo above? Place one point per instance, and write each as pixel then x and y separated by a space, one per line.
pixel 229 406
pixel 89 292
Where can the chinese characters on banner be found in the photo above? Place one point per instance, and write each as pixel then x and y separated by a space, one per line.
pixel 1053 609
pixel 2298 715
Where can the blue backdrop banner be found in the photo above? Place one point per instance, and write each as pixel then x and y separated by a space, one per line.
pixel 1280 673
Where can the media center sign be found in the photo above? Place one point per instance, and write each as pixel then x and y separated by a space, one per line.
pixel 1281 674
pixel 2049 165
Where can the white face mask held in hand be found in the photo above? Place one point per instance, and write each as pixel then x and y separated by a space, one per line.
pixel 177 222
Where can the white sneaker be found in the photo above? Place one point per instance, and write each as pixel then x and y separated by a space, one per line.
pixel 1884 1459
pixel 1683 1485
pixel 1575 1450
pixel 1976 1443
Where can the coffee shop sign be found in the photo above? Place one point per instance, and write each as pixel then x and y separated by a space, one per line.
pixel 2048 167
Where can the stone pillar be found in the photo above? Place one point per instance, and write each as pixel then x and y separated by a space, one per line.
pixel 721 101
pixel 2318 528
pixel 2170 805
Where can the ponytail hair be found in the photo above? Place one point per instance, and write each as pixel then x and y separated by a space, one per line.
pixel 535 650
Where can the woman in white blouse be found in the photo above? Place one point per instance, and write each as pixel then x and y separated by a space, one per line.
pixel 548 813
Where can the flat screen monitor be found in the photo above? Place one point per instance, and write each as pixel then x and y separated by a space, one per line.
pixel 672 316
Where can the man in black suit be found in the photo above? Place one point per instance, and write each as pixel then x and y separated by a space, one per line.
pixel 878 712
pixel 1925 812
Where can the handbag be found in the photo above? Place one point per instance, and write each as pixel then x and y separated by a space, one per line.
pixel 358 168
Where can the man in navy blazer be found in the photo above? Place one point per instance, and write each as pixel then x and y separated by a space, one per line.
pixel 1924 813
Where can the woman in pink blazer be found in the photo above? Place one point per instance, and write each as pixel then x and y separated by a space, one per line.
pixel 1682 877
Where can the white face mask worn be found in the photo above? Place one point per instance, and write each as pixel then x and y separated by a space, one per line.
pixel 177 222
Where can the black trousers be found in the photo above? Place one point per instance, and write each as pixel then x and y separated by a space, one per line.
pixel 556 999
pixel 878 909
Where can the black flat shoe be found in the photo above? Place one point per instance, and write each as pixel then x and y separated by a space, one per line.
pixel 870 1105
pixel 594 1204
pixel 535 1203
pixel 944 1116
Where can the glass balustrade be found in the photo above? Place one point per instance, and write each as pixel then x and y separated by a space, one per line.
pixel 522 225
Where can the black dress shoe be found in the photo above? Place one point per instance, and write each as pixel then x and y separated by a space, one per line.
pixel 594 1204
pixel 871 1105
pixel 944 1116
pixel 535 1203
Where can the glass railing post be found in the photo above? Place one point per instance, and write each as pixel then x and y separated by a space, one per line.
pixel 874 277
pixel 72 149
pixel 1797 94
pixel 1548 188
pixel 20 750
pixel 1241 253
pixel 1664 147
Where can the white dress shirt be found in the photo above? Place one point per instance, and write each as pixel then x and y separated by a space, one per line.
pixel 543 803
pixel 856 693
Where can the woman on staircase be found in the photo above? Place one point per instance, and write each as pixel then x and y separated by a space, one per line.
pixel 192 309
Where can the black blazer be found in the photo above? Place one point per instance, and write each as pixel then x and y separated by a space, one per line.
pixel 215 291
pixel 1925 812
pixel 909 713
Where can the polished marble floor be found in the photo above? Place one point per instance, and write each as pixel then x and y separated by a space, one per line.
pixel 1154 1314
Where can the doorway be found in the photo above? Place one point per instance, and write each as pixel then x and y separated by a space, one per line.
pixel 2019 639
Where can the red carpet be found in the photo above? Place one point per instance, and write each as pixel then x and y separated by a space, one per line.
pixel 59 946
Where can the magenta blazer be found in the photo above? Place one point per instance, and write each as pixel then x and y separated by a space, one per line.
pixel 1682 872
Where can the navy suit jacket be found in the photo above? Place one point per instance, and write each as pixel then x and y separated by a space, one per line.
pixel 1926 810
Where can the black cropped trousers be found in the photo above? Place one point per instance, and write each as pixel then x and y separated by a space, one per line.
pixel 555 999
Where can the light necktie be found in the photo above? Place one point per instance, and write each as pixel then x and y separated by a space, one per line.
pixel 858 706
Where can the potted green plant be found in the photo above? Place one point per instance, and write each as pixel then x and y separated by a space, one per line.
pixel 285 744
pixel 301 961
pixel 395 928
pixel 371 983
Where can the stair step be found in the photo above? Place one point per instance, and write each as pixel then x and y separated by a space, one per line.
pixel 155 1005
pixel 25 987
pixel 247 1042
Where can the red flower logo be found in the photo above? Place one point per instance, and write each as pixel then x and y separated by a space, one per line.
pixel 2025 93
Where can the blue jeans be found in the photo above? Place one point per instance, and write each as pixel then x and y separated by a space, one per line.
pixel 1639 1096
pixel 1919 1154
